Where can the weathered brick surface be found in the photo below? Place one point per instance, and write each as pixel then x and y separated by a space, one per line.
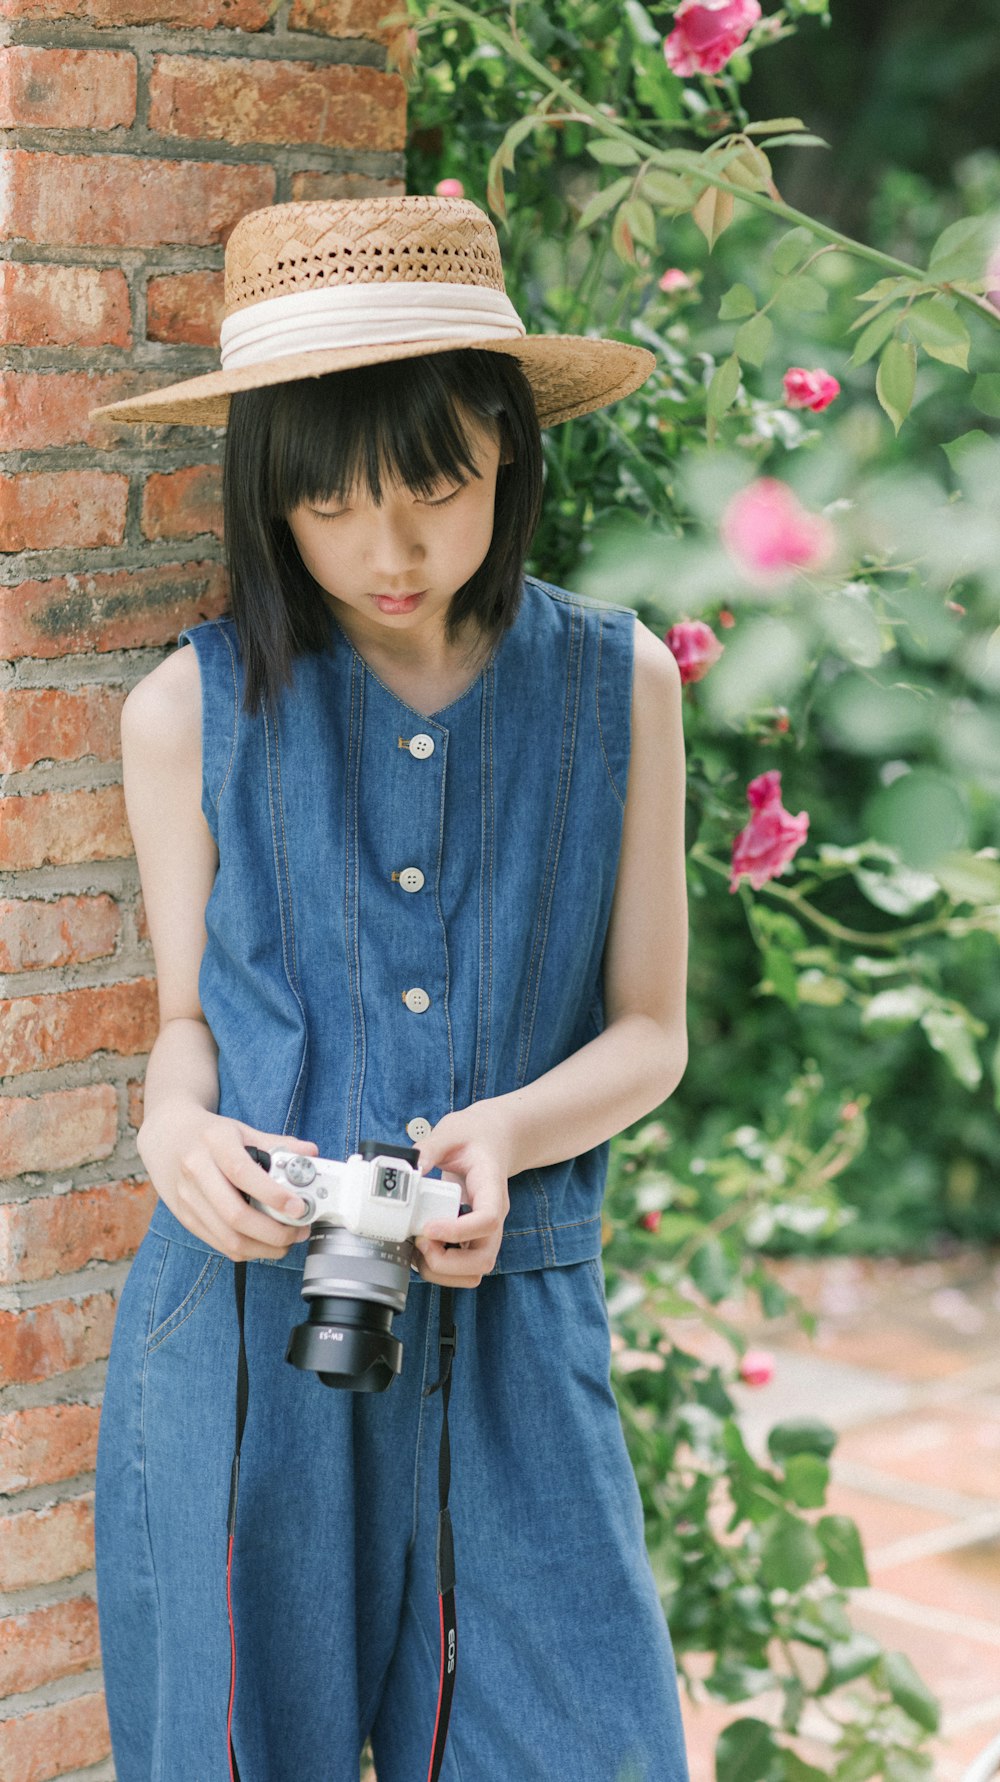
pixel 66 89
pixel 70 1736
pixel 227 99
pixel 125 200
pixel 43 1644
pixel 121 609
pixel 40 936
pixel 308 185
pixel 62 507
pixel 185 308
pixel 80 306
pixel 39 1032
pixel 46 1443
pixel 41 409
pixel 58 724
pixel 343 18
pixel 57 1234
pixel 57 1130
pixel 201 15
pixel 183 503
pixel 42 1546
pixel 41 1342
pixel 64 828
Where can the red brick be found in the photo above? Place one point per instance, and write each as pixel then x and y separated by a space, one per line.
pixel 183 503
pixel 185 308
pixel 125 200
pixel 122 609
pixel 39 936
pixel 57 1130
pixel 64 828
pixel 66 1026
pixel 200 15
pixel 306 186
pixel 342 18
pixel 40 1342
pixel 231 99
pixel 63 305
pixel 46 508
pixel 57 1234
pixel 44 1644
pixel 43 1444
pixel 47 1545
pixel 63 89
pixel 39 409
pixel 35 1747
pixel 58 724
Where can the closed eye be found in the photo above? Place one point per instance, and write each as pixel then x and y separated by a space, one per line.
pixel 324 514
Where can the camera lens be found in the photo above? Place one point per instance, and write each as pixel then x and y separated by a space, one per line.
pixel 353 1286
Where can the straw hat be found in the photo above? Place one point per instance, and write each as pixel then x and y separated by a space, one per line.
pixel 335 283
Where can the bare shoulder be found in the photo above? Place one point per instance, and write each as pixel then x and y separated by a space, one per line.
pixel 655 674
pixel 164 708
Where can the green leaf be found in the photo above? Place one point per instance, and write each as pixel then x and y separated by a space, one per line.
pixel 752 341
pixel 790 1554
pixel 713 212
pixel 767 124
pixel 802 292
pixel 940 331
pixel 612 153
pixel 739 300
pixel 949 1035
pixel 886 287
pixel 841 1543
pixel 986 393
pixel 897 1007
pixel 907 1766
pixel 604 201
pixel 791 248
pixel 668 190
pixel 513 139
pixel 863 1762
pixel 806 1480
pixel 895 380
pixel 733 1681
pixel 847 1659
pixel 807 141
pixel 969 878
pixel 780 972
pixel 723 387
pixel 711 1270
pixel 962 250
pixel 874 336
pixel 899 892
pixel 801 1435
pixel 641 220
pixel 909 1691
pixel 745 1752
pixel 794 1770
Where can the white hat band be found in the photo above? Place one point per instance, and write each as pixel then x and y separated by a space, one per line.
pixel 365 315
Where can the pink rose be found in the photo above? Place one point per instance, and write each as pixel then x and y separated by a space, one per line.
pixel 764 848
pixel 651 1221
pixel 809 389
pixel 707 32
pixel 757 1367
pixel 450 188
pixel 770 533
pixel 695 646
pixel 675 280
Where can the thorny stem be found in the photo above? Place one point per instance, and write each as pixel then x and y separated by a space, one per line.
pixel 446 10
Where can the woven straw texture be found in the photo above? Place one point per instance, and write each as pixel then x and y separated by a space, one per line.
pixel 288 248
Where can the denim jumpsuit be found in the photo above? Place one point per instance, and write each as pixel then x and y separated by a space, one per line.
pixel 409 915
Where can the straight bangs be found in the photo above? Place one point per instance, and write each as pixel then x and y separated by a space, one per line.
pixel 405 422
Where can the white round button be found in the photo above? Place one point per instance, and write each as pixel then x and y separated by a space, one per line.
pixel 417 1000
pixel 418 1128
pixel 411 878
pixel 421 745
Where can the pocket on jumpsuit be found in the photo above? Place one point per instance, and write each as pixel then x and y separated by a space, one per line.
pixel 186 1277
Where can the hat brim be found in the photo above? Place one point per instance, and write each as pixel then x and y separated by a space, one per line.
pixel 570 374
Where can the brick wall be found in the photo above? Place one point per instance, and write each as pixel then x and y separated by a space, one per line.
pixel 134 134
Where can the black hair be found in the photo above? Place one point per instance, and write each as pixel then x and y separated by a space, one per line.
pixel 317 439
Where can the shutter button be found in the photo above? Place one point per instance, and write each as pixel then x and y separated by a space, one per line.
pixel 417 1000
pixel 421 745
pixel 411 878
pixel 418 1127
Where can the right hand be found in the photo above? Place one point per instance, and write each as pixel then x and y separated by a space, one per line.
pixel 199 1167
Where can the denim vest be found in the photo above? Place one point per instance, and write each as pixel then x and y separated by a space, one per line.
pixel 410 912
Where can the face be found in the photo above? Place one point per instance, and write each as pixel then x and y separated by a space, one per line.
pixel 366 558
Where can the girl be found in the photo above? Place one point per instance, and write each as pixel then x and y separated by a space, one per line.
pixel 409 829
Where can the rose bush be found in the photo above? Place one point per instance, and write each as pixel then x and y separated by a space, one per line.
pixel 707 33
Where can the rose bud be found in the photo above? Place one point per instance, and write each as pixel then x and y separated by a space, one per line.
pixel 707 32
pixel 695 646
pixel 757 1367
pixel 767 844
pixel 814 390
pixel 651 1221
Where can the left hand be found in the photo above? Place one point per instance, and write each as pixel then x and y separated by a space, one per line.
pixel 472 1145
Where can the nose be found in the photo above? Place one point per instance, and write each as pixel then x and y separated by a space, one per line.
pixel 395 549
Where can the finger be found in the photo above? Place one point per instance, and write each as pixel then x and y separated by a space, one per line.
pixel 453 1265
pixel 251 1178
pixel 238 1219
pixel 469 1228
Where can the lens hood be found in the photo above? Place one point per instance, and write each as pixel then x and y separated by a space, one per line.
pixel 349 1343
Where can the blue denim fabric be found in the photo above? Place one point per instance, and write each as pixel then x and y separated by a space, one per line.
pixel 564 1663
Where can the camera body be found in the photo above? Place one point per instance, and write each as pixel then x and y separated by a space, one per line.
pixel 364 1214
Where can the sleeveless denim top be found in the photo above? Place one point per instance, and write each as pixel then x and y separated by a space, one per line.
pixel 410 912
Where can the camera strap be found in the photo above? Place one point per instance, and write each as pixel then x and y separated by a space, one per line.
pixel 445 1539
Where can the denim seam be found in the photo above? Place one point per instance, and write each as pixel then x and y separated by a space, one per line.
pixel 236 711
pixel 487 837
pixel 573 679
pixel 351 877
pixel 544 1226
pixel 292 1113
pixel 159 1336
pixel 444 931
pixel 564 1225
pixel 579 600
pixel 158 1737
pixel 600 732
